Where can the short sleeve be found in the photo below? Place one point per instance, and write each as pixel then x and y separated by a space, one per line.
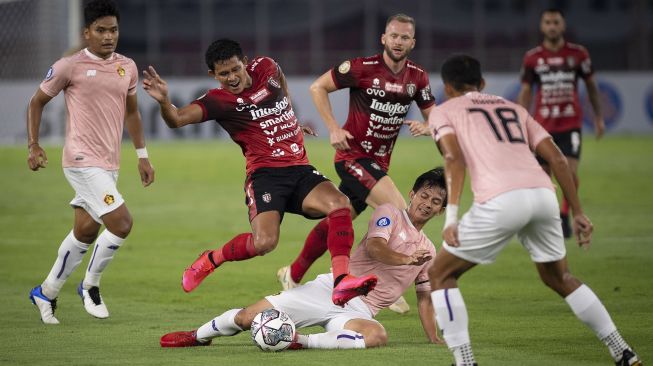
pixel 210 105
pixel 585 70
pixel 57 77
pixel 347 74
pixel 383 221
pixel 536 133
pixel 527 72
pixel 439 124
pixel 422 283
pixel 424 97
pixel 133 81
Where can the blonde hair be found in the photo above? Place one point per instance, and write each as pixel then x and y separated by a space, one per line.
pixel 401 17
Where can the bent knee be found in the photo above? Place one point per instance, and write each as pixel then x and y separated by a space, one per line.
pixel 376 337
pixel 264 244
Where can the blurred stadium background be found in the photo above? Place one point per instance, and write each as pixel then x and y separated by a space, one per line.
pixel 309 36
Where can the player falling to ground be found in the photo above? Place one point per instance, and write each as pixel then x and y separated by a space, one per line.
pixel 554 68
pixel 495 139
pixel 99 87
pixel 381 90
pixel 253 106
pixel 395 248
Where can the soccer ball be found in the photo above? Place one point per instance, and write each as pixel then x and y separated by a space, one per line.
pixel 272 330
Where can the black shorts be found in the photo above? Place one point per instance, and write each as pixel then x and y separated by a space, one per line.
pixel 357 178
pixel 280 189
pixel 569 143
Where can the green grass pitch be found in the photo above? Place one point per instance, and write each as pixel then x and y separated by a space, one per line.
pixel 197 202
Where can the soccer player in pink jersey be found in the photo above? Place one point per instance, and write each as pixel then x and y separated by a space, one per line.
pixel 99 87
pixel 554 68
pixel 254 107
pixel 395 248
pixel 495 139
pixel 381 90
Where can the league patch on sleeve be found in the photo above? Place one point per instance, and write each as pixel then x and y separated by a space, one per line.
pixel 344 67
pixel 383 222
pixel 49 74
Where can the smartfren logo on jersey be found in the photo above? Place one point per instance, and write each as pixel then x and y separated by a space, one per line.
pixel 389 108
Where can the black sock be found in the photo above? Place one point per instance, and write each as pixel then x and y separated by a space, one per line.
pixel 338 279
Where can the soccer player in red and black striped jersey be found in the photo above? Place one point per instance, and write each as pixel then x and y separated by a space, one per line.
pixel 554 67
pixel 381 90
pixel 254 107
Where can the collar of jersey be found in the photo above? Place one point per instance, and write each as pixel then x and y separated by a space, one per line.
pixel 96 58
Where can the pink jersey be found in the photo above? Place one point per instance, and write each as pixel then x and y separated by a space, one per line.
pixel 497 138
pixel 393 225
pixel 96 92
pixel 378 103
pixel 260 120
pixel 555 74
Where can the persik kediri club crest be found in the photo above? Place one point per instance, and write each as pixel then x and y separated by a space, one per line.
pixel 120 70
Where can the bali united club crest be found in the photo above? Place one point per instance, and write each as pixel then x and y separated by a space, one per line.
pixel 411 89
pixel 267 197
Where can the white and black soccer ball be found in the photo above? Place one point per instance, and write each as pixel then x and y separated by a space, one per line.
pixel 272 330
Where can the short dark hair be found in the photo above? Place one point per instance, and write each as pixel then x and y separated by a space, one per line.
pixel 460 71
pixel 96 9
pixel 432 178
pixel 401 17
pixel 553 10
pixel 222 50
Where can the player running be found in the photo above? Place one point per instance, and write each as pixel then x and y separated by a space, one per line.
pixel 253 106
pixel 99 86
pixel 495 139
pixel 381 90
pixel 395 248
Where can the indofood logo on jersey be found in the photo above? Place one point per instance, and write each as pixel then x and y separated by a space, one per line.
pixel 389 108
pixel 276 110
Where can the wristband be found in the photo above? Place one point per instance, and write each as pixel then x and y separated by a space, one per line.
pixel 141 153
pixel 451 216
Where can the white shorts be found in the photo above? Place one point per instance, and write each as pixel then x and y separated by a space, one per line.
pixel 95 190
pixel 310 304
pixel 532 214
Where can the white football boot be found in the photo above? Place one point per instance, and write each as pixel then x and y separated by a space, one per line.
pixel 93 302
pixel 400 306
pixel 283 274
pixel 46 306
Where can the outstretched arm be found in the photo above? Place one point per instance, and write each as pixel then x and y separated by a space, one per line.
pixel 454 170
pixel 548 150
pixel 37 157
pixel 426 316
pixel 320 90
pixel 135 130
pixel 174 117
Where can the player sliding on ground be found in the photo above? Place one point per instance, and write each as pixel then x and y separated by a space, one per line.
pixel 495 139
pixel 253 106
pixel 395 248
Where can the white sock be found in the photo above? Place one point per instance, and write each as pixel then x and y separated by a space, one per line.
pixel 222 325
pixel 589 309
pixel 70 255
pixel 335 339
pixel 451 315
pixel 105 248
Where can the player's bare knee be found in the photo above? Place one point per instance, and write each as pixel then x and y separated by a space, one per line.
pixel 122 227
pixel 339 202
pixel 375 337
pixel 85 236
pixel 264 244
